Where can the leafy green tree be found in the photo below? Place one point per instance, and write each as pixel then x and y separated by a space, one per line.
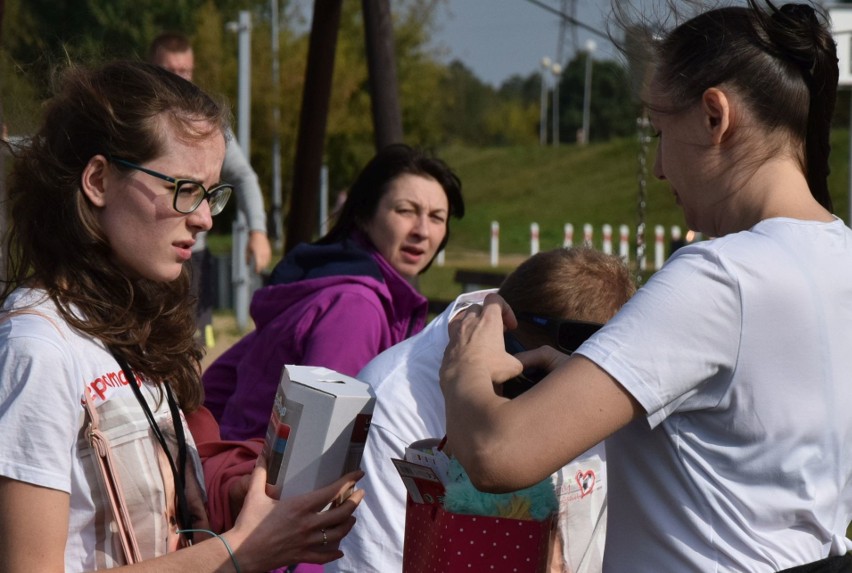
pixel 42 34
pixel 349 142
pixel 510 122
pixel 440 103
pixel 519 110
pixel 613 110
pixel 526 90
pixel 418 72
pixel 466 100
pixel 214 66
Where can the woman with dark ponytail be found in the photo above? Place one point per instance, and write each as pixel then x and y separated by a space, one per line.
pixel 724 386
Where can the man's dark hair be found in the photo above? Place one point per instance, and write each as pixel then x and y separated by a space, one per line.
pixel 170 42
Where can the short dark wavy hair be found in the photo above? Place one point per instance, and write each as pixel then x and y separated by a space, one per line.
pixel 374 181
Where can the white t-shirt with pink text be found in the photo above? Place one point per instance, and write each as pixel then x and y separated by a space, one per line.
pixel 46 370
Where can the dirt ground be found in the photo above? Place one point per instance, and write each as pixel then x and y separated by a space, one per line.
pixel 225 335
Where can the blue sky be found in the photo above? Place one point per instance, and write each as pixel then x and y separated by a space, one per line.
pixel 499 38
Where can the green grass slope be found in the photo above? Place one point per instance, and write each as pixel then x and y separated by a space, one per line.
pixel 594 184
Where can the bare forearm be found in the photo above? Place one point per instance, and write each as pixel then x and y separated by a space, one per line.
pixel 474 358
pixel 473 414
pixel 507 445
pixel 268 533
pixel 210 556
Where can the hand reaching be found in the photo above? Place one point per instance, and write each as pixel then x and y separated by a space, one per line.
pixel 476 342
pixel 258 250
pixel 544 357
pixel 270 533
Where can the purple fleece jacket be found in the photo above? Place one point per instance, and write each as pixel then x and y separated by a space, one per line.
pixel 336 305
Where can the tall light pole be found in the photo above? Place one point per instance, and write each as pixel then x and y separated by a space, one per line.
pixel 542 130
pixel 277 219
pixel 557 71
pixel 239 232
pixel 587 96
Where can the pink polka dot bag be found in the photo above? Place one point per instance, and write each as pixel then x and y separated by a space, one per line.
pixel 439 541
pixel 451 527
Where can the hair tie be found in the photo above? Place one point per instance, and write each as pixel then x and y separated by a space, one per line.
pixel 220 538
pixel 803 18
pixel 801 12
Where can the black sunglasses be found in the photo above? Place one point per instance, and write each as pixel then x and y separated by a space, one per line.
pixel 567 334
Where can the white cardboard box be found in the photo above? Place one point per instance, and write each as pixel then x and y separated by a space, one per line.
pixel 317 429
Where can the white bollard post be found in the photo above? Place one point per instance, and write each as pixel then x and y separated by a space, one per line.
pixel 568 235
pixel 607 239
pixel 534 243
pixel 588 234
pixel 495 243
pixel 640 261
pixel 659 246
pixel 624 243
pixel 676 233
pixel 440 259
pixel 676 240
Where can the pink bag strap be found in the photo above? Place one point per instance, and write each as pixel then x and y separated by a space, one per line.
pixel 103 454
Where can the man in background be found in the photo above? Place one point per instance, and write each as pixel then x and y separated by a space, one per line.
pixel 172 51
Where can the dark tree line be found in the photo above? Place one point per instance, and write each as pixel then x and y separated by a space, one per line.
pixel 441 103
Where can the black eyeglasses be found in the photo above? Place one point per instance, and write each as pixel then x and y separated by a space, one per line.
pixel 568 334
pixel 188 194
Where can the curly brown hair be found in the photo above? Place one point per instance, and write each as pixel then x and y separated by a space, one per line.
pixel 54 241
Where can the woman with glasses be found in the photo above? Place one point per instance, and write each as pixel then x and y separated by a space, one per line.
pixel 97 358
pixel 724 386
pixel 340 301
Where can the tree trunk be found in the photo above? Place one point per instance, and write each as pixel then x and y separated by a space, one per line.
pixel 378 31
pixel 304 201
pixel 4 205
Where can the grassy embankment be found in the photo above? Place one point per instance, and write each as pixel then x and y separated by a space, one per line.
pixel 596 184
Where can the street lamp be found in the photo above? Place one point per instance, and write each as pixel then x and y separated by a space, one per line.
pixel 277 221
pixel 557 71
pixel 240 271
pixel 587 96
pixel 542 130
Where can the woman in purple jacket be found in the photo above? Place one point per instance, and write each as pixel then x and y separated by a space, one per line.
pixel 342 300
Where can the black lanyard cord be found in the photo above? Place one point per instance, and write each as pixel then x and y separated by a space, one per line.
pixel 184 515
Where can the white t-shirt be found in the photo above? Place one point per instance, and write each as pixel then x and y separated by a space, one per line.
pixel 738 349
pixel 46 370
pixel 409 407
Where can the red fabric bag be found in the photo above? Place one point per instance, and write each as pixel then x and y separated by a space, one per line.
pixel 438 541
